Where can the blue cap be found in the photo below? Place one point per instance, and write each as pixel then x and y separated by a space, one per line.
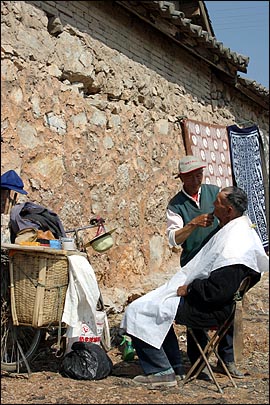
pixel 11 181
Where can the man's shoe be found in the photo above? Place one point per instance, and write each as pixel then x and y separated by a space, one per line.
pixel 153 380
pixel 232 369
pixel 205 375
pixel 179 373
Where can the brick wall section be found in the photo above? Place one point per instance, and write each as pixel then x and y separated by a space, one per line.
pixel 137 40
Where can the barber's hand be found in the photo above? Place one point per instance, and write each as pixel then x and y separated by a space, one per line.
pixel 203 220
pixel 182 291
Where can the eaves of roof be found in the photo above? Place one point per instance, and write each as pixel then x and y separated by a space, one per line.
pixel 254 90
pixel 164 17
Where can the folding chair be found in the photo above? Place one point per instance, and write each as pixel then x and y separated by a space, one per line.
pixel 211 346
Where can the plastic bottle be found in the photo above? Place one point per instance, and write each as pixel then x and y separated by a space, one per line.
pixel 128 351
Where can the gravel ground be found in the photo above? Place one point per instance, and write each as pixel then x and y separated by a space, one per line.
pixel 46 386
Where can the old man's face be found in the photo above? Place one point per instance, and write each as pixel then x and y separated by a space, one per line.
pixel 222 208
pixel 192 181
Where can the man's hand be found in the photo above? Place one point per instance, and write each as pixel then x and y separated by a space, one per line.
pixel 203 220
pixel 182 291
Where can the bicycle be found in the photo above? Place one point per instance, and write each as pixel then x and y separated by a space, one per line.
pixel 20 343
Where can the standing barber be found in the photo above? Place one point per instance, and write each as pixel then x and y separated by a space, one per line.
pixel 190 224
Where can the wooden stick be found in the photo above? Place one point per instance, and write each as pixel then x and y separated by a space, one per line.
pixel 40 292
pixel 12 296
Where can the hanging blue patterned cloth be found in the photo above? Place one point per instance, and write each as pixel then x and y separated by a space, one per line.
pixel 249 173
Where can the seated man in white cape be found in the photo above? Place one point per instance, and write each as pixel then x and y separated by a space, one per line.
pixel 207 283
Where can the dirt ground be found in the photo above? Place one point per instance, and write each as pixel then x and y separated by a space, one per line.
pixel 46 386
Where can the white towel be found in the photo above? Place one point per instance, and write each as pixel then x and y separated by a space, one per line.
pixel 81 297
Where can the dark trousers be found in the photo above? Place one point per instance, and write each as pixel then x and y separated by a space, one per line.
pixel 154 360
pixel 225 347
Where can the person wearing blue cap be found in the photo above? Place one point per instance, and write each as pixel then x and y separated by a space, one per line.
pixel 11 181
pixel 25 214
pixel 11 185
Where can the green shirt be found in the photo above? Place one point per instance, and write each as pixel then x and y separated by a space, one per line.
pixel 188 209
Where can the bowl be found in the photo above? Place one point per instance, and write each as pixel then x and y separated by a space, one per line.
pixel 102 242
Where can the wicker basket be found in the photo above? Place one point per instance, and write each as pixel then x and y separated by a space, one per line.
pixel 39 283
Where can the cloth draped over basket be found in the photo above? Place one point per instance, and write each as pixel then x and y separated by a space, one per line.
pixel 81 297
pixel 48 287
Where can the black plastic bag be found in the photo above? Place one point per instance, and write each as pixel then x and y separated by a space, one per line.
pixel 86 361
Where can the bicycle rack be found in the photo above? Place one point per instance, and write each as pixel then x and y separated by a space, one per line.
pixel 94 223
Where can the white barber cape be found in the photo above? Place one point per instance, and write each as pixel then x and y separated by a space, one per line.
pixel 150 317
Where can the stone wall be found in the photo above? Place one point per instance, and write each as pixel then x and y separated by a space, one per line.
pixel 91 100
